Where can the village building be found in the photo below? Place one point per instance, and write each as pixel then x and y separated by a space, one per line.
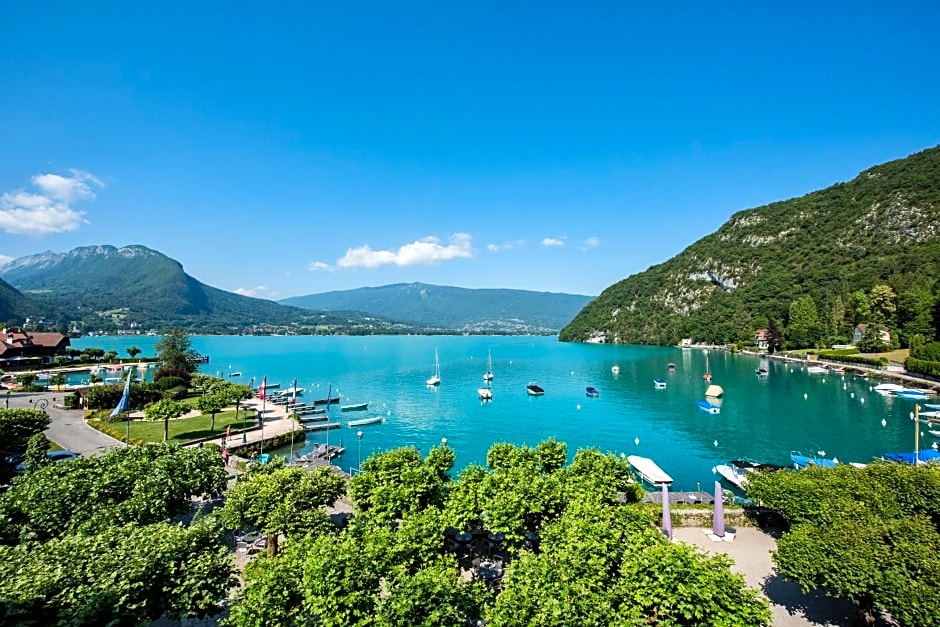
pixel 23 350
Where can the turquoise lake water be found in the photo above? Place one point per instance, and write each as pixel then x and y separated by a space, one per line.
pixel 763 418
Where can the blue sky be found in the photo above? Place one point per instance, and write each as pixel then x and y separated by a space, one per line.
pixel 304 147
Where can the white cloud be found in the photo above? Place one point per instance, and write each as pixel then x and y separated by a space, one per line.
pixel 316 266
pixel 553 241
pixel 5 259
pixel 424 252
pixel 495 248
pixel 49 211
pixel 591 242
pixel 260 291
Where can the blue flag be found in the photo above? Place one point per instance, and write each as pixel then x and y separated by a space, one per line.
pixel 125 401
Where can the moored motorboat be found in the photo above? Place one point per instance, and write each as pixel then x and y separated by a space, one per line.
pixel 365 421
pixel 816 369
pixel 912 395
pixel 761 372
pixel 615 369
pixel 886 389
pixel 802 461
pixel 591 391
pixel 919 457
pixel 485 394
pixel 649 471
pixel 355 407
pixel 737 470
pixel 659 384
pixel 714 391
pixel 711 408
pixel 323 426
pixel 534 390
pixel 327 401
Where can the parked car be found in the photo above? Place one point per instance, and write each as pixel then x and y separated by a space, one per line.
pixel 52 456
pixel 14 459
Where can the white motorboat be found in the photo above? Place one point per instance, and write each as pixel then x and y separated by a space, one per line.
pixel 649 471
pixel 816 369
pixel 485 394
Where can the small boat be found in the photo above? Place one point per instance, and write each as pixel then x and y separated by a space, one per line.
pixel 365 421
pixel 671 367
pixel 935 433
pixel 648 470
pixel 485 394
pixel 288 392
pixel 355 407
pixel 736 471
pixel 534 390
pixel 912 395
pixel 816 369
pixel 615 369
pixel 235 374
pixel 714 391
pixel 323 426
pixel 327 401
pixel 488 375
pixel 802 461
pixel 709 407
pixel 263 458
pixel 659 384
pixel 921 457
pixel 312 418
pixel 888 388
pixel 929 406
pixel 761 372
pixel 592 391
pixel 435 379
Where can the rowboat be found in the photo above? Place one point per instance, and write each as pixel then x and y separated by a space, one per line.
pixel 648 470
pixel 355 407
pixel 326 401
pixel 365 421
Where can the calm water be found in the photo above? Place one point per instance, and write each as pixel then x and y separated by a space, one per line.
pixel 762 418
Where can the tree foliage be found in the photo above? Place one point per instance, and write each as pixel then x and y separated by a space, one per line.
pixel 18 425
pixel 175 352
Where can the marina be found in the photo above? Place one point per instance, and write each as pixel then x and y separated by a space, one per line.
pixel 839 413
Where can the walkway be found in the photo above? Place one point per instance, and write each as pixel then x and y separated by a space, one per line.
pixel 67 427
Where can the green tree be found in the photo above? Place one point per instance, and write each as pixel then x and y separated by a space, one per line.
pixel 212 403
pixel 27 379
pixel 883 305
pixel 861 307
pixel 165 409
pixel 283 501
pixel 803 329
pixel 915 313
pixel 175 352
pixel 58 379
pixel 865 534
pixel 18 425
pixel 36 450
pixel 110 355
pixel 132 351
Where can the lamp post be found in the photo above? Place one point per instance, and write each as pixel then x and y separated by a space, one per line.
pixel 41 404
pixel 359 435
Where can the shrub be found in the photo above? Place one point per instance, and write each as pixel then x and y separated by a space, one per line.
pixel 168 382
pixel 177 393
pixel 182 374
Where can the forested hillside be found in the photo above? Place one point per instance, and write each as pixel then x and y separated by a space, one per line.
pixel 866 251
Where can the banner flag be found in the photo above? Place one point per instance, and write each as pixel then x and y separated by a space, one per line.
pixel 264 382
pixel 125 401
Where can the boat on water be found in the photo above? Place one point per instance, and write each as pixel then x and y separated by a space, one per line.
pixel 435 379
pixel 534 390
pixel 659 384
pixel 671 367
pixel 736 471
pixel 591 391
pixel 372 420
pixel 714 391
pixel 931 406
pixel 761 372
pixel 355 407
pixel 649 471
pixel 912 395
pixel 235 374
pixel 711 408
pixel 802 461
pixel 816 369
pixel 886 389
pixel 485 394
pixel 327 401
pixel 921 457
pixel 615 369
pixel 488 375
pixel 288 392
pixel 305 418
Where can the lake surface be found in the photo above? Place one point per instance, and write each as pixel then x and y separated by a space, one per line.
pixel 763 418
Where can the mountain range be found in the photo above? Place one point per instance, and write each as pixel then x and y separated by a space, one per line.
pixel 882 227
pixel 455 308
pixel 104 288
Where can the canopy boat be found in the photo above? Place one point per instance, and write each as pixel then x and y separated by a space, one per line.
pixel 659 384
pixel 711 408
pixel 355 407
pixel 365 421
pixel 435 379
pixel 485 394
pixel 802 461
pixel 488 375
pixel 534 390
pixel 591 391
pixel 888 388
pixel 649 471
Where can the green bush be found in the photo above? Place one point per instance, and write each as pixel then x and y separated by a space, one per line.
pixel 842 352
pixel 167 383
pixel 922 366
pixel 926 352
pixel 108 396
pixel 177 392
pixel 70 401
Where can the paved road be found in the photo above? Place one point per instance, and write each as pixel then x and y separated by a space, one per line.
pixel 67 428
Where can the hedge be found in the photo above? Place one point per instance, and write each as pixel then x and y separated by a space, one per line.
pixel 841 352
pixel 108 396
pixel 117 434
pixel 921 366
pixel 877 362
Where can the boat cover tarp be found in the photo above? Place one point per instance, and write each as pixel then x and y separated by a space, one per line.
pixel 928 455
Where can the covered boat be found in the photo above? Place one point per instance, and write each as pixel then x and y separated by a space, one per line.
pixel 591 391
pixel 709 407
pixel 922 457
pixel 534 390
pixel 659 384
pixel 802 461
pixel 649 471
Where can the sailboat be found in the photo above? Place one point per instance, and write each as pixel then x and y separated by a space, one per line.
pixel 488 376
pixel 435 379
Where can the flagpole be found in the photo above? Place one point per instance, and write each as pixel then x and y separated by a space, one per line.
pixel 264 400
pixel 292 424
pixel 329 393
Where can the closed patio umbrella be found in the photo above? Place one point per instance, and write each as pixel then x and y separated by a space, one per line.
pixel 718 519
pixel 667 515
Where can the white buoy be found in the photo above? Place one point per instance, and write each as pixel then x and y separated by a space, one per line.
pixel 824 380
pixel 884 423
pixel 637 441
pixel 821 453
pixel 572 372
pixel 578 406
pixel 716 442
pixel 934 445
pixel 805 396
pixel 870 388
pixel 911 415
pixel 852 394
pixel 844 386
pixel 863 399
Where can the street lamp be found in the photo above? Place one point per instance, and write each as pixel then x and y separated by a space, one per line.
pixel 41 404
pixel 359 435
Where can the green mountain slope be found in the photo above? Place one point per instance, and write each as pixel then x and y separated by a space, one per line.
pixel 15 306
pixel 881 227
pixel 118 288
pixel 460 309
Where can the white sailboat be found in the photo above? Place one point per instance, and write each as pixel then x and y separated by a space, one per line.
pixel 435 379
pixel 488 376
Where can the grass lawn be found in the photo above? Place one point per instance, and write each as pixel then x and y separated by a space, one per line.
pixel 183 429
